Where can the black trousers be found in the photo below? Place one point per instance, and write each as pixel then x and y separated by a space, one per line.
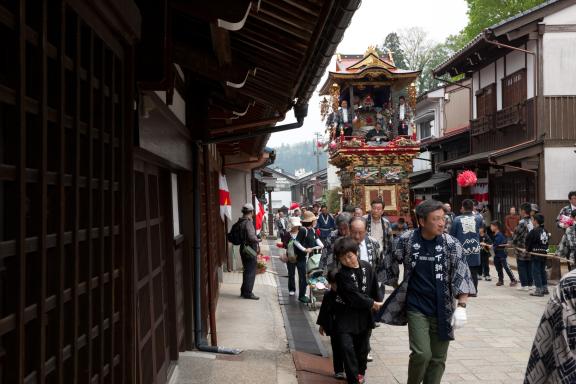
pixel 354 349
pixel 337 360
pixel 248 275
pixel 302 284
pixel 475 271
pixel 485 259
pixel 502 264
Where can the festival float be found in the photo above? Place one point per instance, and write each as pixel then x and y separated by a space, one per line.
pixel 378 167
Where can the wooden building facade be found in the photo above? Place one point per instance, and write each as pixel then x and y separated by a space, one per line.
pixel 523 99
pixel 116 120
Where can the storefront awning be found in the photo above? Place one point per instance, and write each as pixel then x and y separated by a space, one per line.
pixel 470 159
pixel 517 153
pixel 436 179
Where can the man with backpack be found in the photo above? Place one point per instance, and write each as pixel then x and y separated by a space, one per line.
pixel 243 233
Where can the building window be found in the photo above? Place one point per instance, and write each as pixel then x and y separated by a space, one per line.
pixel 514 89
pixel 486 101
pixel 426 128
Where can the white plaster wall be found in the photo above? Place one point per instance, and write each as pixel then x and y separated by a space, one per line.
pixel 514 61
pixel 475 87
pixel 565 16
pixel 487 75
pixel 178 106
pixel 420 165
pixel 559 172
pixel 438 127
pixel 499 76
pixel 333 180
pixel 281 198
pixel 531 46
pixel 240 194
pixel 559 58
pixel 240 190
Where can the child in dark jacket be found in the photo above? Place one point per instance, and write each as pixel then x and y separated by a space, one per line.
pixel 486 246
pixel 357 298
pixel 326 321
pixel 500 255
pixel 537 242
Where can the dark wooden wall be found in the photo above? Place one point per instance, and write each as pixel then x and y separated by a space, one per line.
pixel 560 117
pixel 65 141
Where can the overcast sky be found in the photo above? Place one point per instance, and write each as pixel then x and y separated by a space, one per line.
pixel 370 25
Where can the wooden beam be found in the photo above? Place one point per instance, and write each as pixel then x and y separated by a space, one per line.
pixel 286 20
pixel 206 65
pixel 212 11
pixel 246 125
pixel 221 45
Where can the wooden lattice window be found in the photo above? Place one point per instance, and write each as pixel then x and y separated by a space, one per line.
pixel 486 101
pixel 514 89
pixel 62 113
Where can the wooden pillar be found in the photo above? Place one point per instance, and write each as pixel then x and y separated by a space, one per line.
pixel 270 216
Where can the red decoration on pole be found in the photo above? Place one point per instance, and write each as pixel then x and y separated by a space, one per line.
pixel 466 179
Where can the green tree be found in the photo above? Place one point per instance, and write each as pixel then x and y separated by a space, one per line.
pixel 392 44
pixel 422 54
pixel 484 13
pixel 437 54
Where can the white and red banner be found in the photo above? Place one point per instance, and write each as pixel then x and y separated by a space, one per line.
pixel 225 203
pixel 259 213
pixel 479 192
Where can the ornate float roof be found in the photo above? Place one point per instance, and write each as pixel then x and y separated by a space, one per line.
pixel 368 67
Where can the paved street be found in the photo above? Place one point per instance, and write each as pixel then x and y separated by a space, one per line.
pixel 492 348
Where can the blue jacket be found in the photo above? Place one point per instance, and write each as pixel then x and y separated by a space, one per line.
pixel 325 226
pixel 466 229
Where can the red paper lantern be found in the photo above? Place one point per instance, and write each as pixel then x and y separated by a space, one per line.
pixel 466 179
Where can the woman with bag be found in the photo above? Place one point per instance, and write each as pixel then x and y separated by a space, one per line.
pixel 294 252
pixel 300 242
pixel 249 249
pixel 313 245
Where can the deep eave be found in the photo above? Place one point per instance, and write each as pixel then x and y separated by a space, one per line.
pixel 509 31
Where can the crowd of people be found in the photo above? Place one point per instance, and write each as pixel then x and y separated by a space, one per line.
pixel 444 257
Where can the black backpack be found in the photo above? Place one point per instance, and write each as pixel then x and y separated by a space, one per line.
pixel 236 234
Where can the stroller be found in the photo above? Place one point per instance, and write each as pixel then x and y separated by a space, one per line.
pixel 317 283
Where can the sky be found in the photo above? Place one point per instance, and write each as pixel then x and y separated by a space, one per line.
pixel 370 25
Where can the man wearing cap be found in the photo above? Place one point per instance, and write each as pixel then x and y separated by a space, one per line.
pixel 248 263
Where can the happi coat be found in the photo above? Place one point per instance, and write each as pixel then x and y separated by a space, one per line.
pixel 452 279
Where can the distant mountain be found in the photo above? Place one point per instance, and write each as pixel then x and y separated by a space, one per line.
pixel 291 157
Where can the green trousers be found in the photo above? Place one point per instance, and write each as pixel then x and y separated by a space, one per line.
pixel 427 352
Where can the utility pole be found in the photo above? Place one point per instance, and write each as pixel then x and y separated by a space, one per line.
pixel 317 153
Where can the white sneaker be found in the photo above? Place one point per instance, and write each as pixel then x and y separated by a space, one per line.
pixel 369 358
pixel 526 288
pixel 531 288
pixel 520 288
pixel 291 293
